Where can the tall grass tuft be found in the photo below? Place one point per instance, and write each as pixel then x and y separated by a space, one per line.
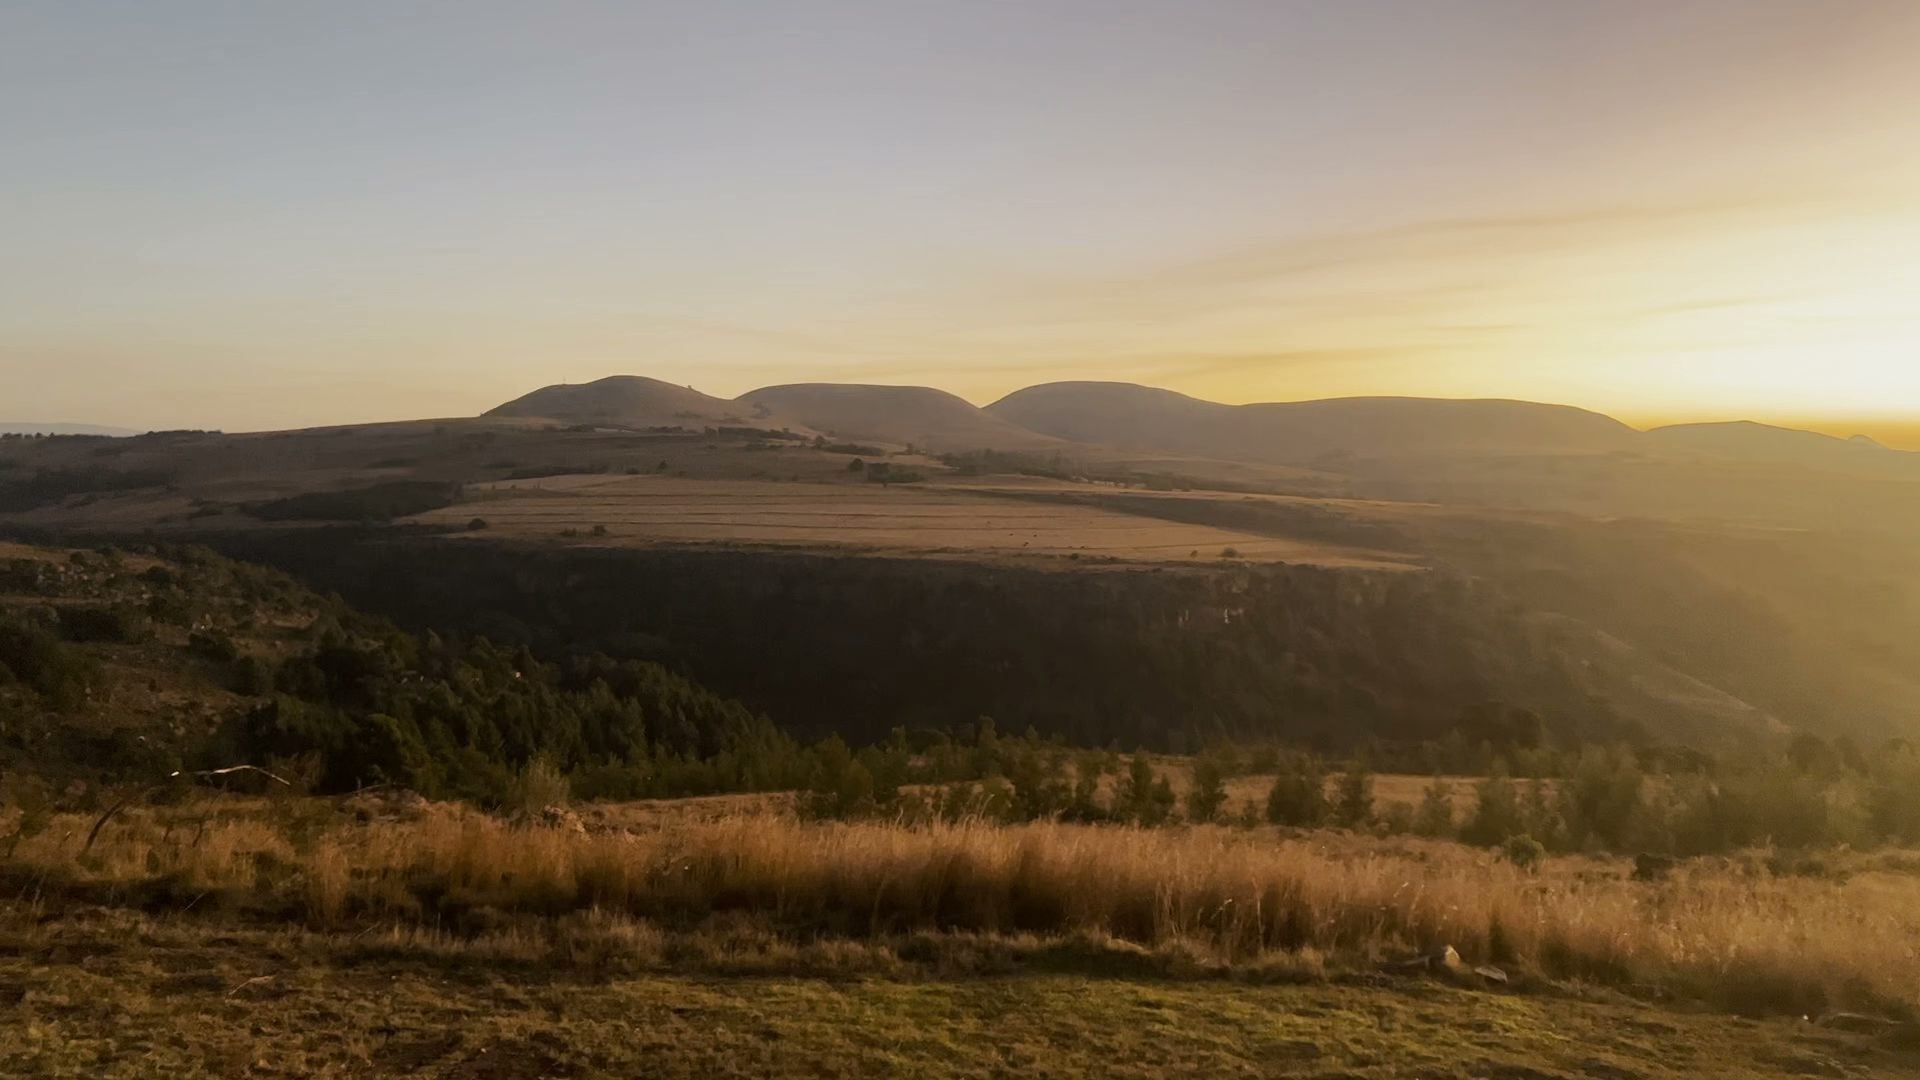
pixel 1729 930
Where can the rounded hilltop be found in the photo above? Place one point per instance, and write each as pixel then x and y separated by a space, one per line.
pixel 908 415
pixel 1128 415
pixel 627 401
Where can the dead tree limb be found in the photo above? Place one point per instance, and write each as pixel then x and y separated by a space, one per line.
pixel 203 774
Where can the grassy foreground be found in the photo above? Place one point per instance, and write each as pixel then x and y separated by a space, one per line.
pixel 297 937
pixel 127 996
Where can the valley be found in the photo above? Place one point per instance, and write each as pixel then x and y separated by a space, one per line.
pixel 678 706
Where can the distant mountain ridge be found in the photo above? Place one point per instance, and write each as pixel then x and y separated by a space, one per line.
pixel 626 400
pixel 31 427
pixel 1138 417
pixel 916 415
pixel 1058 416
pixel 906 415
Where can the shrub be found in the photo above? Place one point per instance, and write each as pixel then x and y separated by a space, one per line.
pixel 1397 819
pixel 1299 794
pixel 1353 797
pixel 1525 852
pixel 250 676
pixel 1496 814
pixel 541 784
pixel 1208 796
pixel 52 485
pixel 59 673
pixel 116 624
pixel 1435 816
pixel 1143 796
pixel 213 646
pixel 378 502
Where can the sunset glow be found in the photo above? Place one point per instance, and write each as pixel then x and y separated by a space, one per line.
pixel 1703 210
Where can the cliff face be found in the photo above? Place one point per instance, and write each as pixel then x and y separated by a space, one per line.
pixel 1157 658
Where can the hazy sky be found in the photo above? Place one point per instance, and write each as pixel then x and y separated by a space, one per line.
pixel 252 214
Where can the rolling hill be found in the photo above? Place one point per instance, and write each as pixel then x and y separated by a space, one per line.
pixel 901 415
pixel 630 401
pixel 34 427
pixel 917 415
pixel 1137 417
pixel 1084 417
pixel 1745 440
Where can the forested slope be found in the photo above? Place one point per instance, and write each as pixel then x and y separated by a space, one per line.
pixel 1142 656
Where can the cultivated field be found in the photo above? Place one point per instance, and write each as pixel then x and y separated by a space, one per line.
pixel 897 519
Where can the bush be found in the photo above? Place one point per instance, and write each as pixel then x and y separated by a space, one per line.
pixel 540 784
pixel 378 502
pixel 1143 796
pixel 173 606
pixel 213 646
pixel 117 625
pixel 1299 794
pixel 1435 816
pixel 1209 793
pixel 52 485
pixel 58 673
pixel 840 786
pixel 1397 819
pixel 1353 797
pixel 1525 852
pixel 1496 815
pixel 250 676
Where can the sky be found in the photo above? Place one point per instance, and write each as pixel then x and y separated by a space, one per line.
pixel 245 215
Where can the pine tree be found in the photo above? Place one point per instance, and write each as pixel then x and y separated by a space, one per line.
pixel 1435 815
pixel 1496 815
pixel 1208 795
pixel 1353 797
pixel 1299 794
pixel 1143 797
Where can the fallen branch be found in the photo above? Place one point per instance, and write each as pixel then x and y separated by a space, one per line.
pixel 203 774
pixel 94 833
pixel 257 980
pixel 229 770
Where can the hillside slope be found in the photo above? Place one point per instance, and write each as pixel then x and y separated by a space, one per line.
pixel 1139 417
pixel 1136 658
pixel 909 415
pixel 31 427
pixel 1745 440
pixel 630 401
pixel 126 666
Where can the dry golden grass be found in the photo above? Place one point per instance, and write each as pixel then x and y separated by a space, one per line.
pixel 114 993
pixel 934 519
pixel 1247 793
pixel 1725 931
